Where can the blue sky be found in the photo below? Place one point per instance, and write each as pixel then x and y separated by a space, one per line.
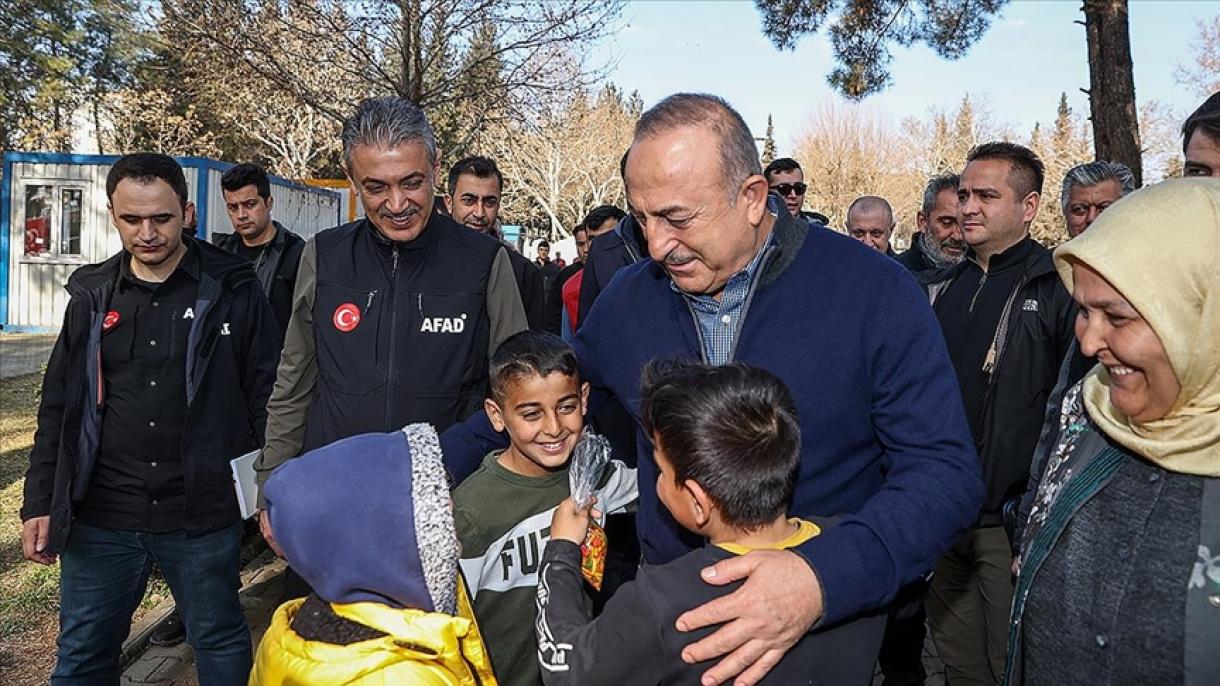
pixel 1032 53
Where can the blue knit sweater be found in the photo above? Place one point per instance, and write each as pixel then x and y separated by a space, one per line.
pixel 885 443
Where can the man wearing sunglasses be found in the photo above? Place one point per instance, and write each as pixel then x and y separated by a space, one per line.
pixel 785 178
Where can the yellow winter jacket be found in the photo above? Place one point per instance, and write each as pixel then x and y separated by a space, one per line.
pixel 420 649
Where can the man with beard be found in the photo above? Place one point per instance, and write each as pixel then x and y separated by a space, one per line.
pixel 939 243
pixel 274 250
pixel 395 316
pixel 475 185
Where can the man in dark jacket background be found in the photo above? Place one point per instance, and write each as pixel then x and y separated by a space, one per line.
pixel 939 243
pixel 1008 323
pixel 274 250
pixel 475 185
pixel 159 377
pixel 600 220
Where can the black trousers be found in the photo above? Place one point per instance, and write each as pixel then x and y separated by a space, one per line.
pixel 901 658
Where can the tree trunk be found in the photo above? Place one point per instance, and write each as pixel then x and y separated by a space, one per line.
pixel 1116 135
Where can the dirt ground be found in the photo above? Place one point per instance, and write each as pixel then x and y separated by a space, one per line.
pixel 29 593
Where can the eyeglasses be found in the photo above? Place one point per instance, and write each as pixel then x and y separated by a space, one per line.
pixel 785 188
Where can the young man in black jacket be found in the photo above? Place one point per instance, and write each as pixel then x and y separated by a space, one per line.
pixel 1008 323
pixel 159 377
pixel 475 184
pixel 274 250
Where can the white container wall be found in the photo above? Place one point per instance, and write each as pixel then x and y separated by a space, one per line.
pixel 53 219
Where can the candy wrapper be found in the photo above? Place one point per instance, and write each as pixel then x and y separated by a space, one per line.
pixel 589 460
pixel 593 556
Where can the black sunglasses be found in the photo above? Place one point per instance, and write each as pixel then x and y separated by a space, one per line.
pixel 785 188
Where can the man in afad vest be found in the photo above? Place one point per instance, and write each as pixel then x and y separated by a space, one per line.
pixel 394 316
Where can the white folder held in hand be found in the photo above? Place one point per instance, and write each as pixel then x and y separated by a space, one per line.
pixel 245 484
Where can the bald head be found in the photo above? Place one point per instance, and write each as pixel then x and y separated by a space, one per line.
pixel 870 220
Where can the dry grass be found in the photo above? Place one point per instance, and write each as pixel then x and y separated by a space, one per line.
pixel 29 593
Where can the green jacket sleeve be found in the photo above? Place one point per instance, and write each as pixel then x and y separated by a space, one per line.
pixel 295 378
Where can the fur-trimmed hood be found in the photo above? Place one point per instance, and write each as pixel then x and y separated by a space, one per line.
pixel 368 519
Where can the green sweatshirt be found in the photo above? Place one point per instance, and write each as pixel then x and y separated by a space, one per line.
pixel 503 521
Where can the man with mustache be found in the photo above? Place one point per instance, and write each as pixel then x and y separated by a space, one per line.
pixel 475 185
pixel 939 243
pixel 395 316
pixel 729 281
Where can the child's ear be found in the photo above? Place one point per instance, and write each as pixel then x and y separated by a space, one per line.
pixel 584 398
pixel 701 504
pixel 494 414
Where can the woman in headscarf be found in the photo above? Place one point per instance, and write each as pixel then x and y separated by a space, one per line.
pixel 1119 576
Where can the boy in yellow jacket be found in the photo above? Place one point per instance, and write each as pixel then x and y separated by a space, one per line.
pixel 367 522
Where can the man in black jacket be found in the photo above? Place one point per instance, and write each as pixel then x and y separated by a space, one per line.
pixel 939 243
pixel 159 377
pixel 274 250
pixel 601 219
pixel 395 316
pixel 1008 323
pixel 475 184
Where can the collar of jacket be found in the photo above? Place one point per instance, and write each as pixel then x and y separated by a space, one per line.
pixel 628 231
pixel 425 239
pixel 213 264
pixel 1037 265
pixel 789 234
pixel 281 235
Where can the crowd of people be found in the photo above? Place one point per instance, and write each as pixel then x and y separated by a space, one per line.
pixel 813 449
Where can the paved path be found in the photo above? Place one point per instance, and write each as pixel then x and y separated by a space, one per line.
pixel 175 666
pixel 24 353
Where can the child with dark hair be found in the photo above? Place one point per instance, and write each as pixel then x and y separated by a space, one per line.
pixel 503 511
pixel 727 447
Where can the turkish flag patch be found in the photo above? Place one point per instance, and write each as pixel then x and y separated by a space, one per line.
pixel 346 317
pixel 111 318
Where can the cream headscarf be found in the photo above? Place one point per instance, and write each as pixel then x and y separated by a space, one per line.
pixel 1160 248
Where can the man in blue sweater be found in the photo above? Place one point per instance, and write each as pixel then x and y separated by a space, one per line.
pixel 847 329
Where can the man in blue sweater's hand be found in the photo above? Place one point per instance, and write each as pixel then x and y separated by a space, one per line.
pixel 885 444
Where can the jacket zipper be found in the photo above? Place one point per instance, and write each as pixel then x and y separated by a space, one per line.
pixel 389 368
pixel 982 282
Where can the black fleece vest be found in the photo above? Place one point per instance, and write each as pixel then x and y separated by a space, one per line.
pixel 401 329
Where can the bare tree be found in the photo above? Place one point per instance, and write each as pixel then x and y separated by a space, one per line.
pixel 468 63
pixel 1116 133
pixel 1204 74
pixel 150 120
pixel 845 153
pixel 567 162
